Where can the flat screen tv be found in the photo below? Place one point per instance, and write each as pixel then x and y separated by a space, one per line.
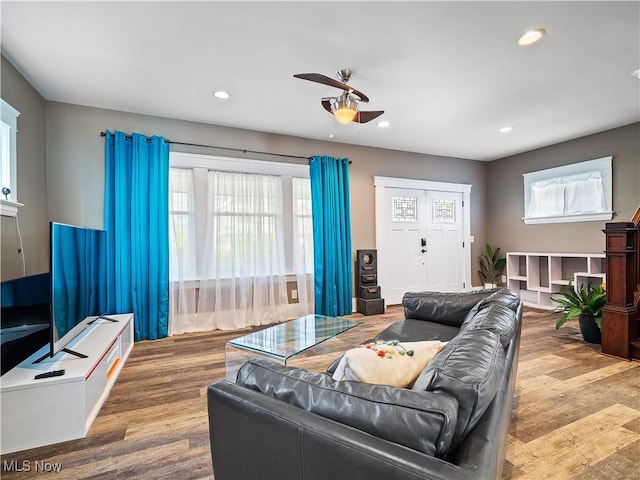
pixel 25 318
pixel 78 281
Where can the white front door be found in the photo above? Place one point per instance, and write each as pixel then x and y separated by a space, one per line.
pixel 402 262
pixel 444 241
pixel 421 237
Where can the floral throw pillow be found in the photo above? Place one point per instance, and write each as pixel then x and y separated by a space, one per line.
pixel 387 363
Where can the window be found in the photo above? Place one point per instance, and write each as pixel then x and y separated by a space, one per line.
pixel 8 168
pixel 248 231
pixel 240 238
pixel 404 209
pixel 243 205
pixel 302 225
pixel 182 223
pixel 444 211
pixel 572 193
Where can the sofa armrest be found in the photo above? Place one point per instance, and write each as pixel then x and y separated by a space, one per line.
pixel 257 436
pixel 485 446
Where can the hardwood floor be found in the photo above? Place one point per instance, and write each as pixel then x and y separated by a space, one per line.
pixel 576 412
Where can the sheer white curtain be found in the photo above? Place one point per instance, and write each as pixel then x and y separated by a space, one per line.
pixel 546 200
pixel 243 280
pixel 182 247
pixel 585 194
pixel 238 241
pixel 303 244
pixel 567 195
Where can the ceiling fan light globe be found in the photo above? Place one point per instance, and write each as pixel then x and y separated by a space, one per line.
pixel 344 115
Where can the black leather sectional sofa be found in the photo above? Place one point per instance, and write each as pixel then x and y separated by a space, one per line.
pixel 280 422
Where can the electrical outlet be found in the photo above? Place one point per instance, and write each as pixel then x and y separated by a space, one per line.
pixel 504 279
pixel 294 294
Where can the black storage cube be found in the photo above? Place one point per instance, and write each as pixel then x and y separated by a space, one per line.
pixel 368 279
pixel 370 307
pixel 369 293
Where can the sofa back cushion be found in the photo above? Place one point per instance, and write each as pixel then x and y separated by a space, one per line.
pixel 448 308
pixel 470 368
pixel 495 317
pixel 423 421
pixel 503 296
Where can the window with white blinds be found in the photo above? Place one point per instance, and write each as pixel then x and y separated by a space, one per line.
pixel 572 193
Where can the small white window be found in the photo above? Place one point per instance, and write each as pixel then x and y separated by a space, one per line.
pixel 8 169
pixel 579 192
pixel 444 211
pixel 405 209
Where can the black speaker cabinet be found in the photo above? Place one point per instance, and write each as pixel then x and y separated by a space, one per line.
pixel 367 262
pixel 370 307
pixel 369 301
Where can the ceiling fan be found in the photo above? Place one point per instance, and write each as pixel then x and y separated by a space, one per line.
pixel 344 107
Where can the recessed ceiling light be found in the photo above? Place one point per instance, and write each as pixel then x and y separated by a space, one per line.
pixel 505 129
pixel 221 94
pixel 383 124
pixel 532 36
pixel 636 73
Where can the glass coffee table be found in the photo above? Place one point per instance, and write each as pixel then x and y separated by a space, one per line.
pixel 303 339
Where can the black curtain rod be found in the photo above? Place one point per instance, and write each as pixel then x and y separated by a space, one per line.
pixel 128 137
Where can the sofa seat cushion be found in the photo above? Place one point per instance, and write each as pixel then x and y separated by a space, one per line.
pixel 495 317
pixel 387 363
pixel 447 308
pixel 420 420
pixel 417 331
pixel 469 368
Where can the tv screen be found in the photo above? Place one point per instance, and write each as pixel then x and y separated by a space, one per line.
pixel 25 318
pixel 78 280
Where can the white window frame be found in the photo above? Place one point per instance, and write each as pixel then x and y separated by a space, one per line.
pixel 8 159
pixel 602 165
pixel 287 171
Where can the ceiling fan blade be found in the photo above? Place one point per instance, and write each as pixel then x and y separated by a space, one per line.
pixel 323 79
pixel 364 117
pixel 326 103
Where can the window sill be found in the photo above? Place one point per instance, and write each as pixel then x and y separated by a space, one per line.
pixel 9 208
pixel 569 218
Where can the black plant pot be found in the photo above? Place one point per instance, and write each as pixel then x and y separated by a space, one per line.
pixel 590 331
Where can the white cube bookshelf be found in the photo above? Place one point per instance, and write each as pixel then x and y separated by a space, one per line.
pixel 538 277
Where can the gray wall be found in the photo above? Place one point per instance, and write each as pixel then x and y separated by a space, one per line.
pixel 32 180
pixel 69 186
pixel 61 175
pixel 75 164
pixel 506 195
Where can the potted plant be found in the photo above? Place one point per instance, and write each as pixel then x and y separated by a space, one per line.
pixel 585 304
pixel 491 266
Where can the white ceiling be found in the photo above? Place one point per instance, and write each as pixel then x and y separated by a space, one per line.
pixel 448 74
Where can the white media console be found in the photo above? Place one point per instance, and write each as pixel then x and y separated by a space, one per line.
pixel 56 409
